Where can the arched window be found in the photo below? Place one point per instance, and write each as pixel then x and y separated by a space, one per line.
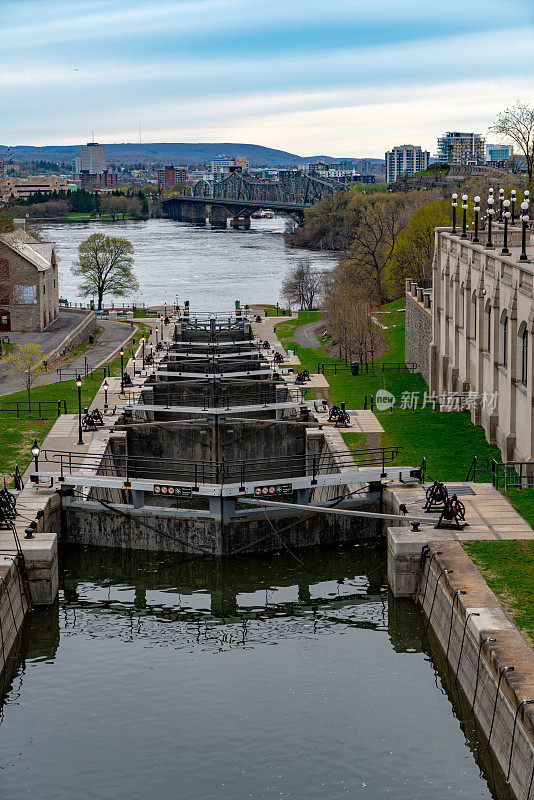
pixel 524 357
pixel 489 328
pixel 505 342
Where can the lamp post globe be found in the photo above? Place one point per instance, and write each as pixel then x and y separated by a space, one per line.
pixel 454 207
pixel 105 387
pixel 477 211
pixel 79 384
pixel 464 218
pixel 524 222
pixel 35 453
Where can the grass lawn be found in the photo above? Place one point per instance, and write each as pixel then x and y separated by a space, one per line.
pixel 508 567
pixel 16 436
pixel 285 330
pixel 448 440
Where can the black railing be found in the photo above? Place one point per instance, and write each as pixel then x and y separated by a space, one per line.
pixel 477 465
pixel 68 373
pixel 219 472
pixel 205 400
pixel 44 409
pixel 512 474
pixel 370 368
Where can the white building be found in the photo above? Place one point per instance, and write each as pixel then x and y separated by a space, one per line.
pixel 93 158
pixel 404 161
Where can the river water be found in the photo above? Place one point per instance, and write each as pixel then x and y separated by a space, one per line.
pixel 196 263
pixel 294 679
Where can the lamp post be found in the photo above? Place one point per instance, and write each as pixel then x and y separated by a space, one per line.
pixel 133 365
pixel 524 220
pixel 501 201
pixel 505 251
pixel 121 353
pixel 454 207
pixel 35 453
pixel 464 218
pixel 477 210
pixel 143 340
pixel 490 213
pixel 79 384
pixel 105 387
pixel 513 195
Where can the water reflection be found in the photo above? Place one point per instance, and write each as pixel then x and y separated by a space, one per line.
pixel 267 677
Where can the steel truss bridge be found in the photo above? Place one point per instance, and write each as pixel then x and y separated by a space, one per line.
pixel 240 195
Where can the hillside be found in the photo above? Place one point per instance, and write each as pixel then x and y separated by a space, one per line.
pixel 165 152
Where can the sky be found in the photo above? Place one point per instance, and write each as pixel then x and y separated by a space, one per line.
pixel 335 77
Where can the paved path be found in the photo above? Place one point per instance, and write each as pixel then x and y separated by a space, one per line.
pixel 110 340
pixel 305 335
pixel 52 337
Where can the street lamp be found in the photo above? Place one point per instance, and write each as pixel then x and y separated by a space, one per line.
pixel 133 365
pixel 121 353
pixel 490 212
pixel 143 340
pixel 524 220
pixel 513 194
pixel 105 387
pixel 505 251
pixel 501 201
pixel 454 207
pixel 35 453
pixel 79 384
pixel 464 218
pixel 477 209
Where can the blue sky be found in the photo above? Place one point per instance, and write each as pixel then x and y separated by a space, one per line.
pixel 339 77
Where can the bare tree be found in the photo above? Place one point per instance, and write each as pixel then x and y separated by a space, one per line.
pixel 517 125
pixel 302 285
pixel 25 364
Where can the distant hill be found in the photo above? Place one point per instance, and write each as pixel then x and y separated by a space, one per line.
pixel 167 152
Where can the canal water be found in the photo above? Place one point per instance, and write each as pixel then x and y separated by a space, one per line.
pixel 196 263
pixel 295 678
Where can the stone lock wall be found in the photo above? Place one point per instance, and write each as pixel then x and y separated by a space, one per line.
pixel 418 333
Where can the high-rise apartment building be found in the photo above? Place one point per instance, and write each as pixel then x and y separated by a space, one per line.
pixel 456 147
pixel 404 161
pixel 498 152
pixel 220 167
pixel 170 176
pixel 93 158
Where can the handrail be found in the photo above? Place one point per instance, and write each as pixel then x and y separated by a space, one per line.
pixel 226 470
pixel 10 407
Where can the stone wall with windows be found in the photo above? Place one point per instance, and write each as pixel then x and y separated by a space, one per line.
pixel 483 321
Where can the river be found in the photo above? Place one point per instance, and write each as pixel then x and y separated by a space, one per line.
pixel 196 263
pixel 200 679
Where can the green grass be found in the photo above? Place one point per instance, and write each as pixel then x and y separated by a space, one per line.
pixel 523 502
pixel 286 330
pixel 448 440
pixel 508 567
pixel 16 436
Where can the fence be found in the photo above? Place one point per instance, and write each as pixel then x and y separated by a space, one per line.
pixel 504 474
pixel 46 409
pixel 66 373
pixel 370 368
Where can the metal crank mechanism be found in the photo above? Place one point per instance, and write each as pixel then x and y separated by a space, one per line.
pixel 436 497
pixel 452 514
pixel 339 416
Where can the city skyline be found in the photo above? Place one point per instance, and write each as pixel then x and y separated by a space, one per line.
pixel 341 81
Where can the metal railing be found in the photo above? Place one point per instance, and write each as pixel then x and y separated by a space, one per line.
pixel 45 409
pixel 207 399
pixel 218 472
pixel 370 368
pixel 512 474
pixel 67 373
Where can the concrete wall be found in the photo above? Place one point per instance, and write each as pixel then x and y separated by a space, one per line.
pixel 87 325
pixel 418 333
pixel 13 606
pixel 464 613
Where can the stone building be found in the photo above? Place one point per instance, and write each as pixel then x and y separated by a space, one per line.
pixel 29 293
pixel 418 327
pixel 482 341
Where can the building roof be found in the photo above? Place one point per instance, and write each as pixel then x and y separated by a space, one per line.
pixel 37 253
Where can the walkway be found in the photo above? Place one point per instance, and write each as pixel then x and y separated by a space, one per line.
pixel 114 336
pixel 305 335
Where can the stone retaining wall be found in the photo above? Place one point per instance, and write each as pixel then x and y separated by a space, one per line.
pixel 80 334
pixel 479 641
pixel 418 333
pixel 13 606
